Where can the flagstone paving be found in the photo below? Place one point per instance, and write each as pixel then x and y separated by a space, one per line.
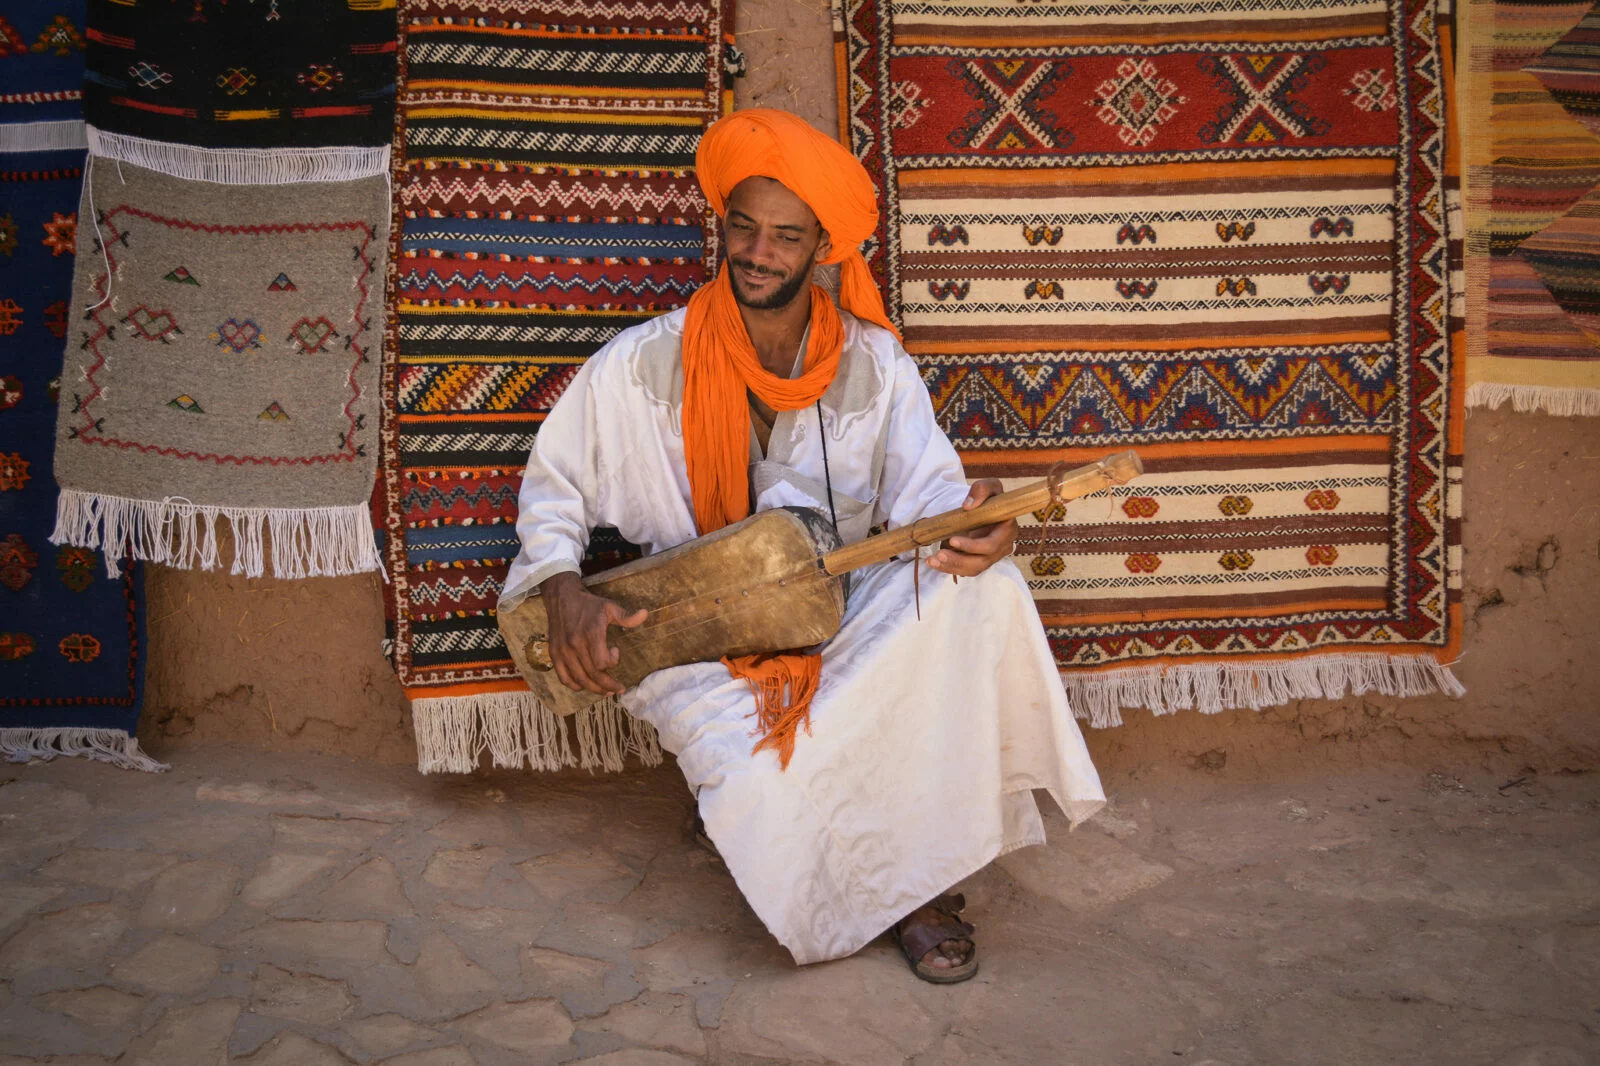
pixel 293 911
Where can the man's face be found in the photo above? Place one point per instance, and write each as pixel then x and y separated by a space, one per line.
pixel 774 240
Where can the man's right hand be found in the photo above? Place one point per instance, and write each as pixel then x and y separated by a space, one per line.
pixel 578 622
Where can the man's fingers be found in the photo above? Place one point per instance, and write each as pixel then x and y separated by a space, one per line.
pixel 602 657
pixel 974 541
pixel 616 615
pixel 981 490
pixel 995 543
pixel 969 555
pixel 986 541
pixel 574 676
pixel 959 563
pixel 582 662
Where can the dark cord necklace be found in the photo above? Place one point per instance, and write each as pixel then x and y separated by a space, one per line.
pixel 827 475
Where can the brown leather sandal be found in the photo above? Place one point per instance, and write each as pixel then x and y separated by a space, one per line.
pixel 917 940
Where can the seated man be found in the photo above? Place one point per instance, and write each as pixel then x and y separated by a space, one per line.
pixel 900 760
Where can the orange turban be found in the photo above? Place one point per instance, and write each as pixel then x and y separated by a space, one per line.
pixel 763 143
pixel 720 363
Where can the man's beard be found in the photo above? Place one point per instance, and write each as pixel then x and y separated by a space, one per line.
pixel 782 296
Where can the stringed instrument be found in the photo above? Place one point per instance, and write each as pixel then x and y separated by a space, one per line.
pixel 772 582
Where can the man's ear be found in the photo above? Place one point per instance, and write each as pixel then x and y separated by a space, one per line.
pixel 824 248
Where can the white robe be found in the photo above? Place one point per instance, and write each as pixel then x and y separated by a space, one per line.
pixel 927 737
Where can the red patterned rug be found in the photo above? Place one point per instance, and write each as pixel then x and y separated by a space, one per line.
pixel 1217 234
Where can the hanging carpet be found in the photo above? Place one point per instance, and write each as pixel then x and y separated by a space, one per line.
pixel 1216 233
pixel 41 75
pixel 264 92
pixel 222 364
pixel 1531 111
pixel 547 201
pixel 71 638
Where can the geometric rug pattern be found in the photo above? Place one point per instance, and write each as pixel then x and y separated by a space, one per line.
pixel 1220 233
pixel 545 199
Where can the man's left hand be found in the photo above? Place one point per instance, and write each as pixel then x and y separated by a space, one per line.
pixel 973 552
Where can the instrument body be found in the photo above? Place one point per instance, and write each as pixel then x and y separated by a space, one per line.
pixel 755 586
pixel 773 582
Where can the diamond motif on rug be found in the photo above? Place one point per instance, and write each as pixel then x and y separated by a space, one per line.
pixel 906 104
pixel 236 81
pixel 1372 90
pixel 237 336
pixel 1137 101
pixel 312 336
pixel 153 325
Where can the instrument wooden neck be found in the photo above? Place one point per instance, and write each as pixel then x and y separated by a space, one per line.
pixel 1062 485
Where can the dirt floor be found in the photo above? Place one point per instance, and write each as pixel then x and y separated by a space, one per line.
pixel 290 910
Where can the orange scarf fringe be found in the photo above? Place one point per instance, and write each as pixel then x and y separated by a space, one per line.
pixel 783 685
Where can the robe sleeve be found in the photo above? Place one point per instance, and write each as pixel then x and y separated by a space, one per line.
pixel 562 491
pixel 922 474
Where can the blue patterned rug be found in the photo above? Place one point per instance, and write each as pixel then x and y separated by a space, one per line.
pixel 71 639
pixel 42 47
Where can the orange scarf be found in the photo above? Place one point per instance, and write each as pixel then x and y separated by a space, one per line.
pixel 720 363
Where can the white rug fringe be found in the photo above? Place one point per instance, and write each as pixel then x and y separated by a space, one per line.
pixel 241 166
pixel 516 729
pixel 43 136
pixel 1214 687
pixel 305 542
pixel 1528 398
pixel 103 745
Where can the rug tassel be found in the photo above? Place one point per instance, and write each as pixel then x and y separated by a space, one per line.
pixel 241 166
pixel 306 542
pixel 1531 398
pixel 516 729
pixel 1211 688
pixel 103 745
pixel 43 136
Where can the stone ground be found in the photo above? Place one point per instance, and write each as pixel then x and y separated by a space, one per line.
pixel 292 911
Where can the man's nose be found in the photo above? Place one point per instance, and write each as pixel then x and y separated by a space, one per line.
pixel 763 249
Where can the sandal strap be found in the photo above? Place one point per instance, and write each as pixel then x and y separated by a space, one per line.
pixel 919 938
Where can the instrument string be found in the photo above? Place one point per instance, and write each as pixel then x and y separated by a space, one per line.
pixel 668 629
pixel 674 608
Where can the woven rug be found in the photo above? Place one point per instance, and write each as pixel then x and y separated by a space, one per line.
pixel 1532 144
pixel 1215 232
pixel 41 75
pixel 545 186
pixel 71 639
pixel 199 88
pixel 222 364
